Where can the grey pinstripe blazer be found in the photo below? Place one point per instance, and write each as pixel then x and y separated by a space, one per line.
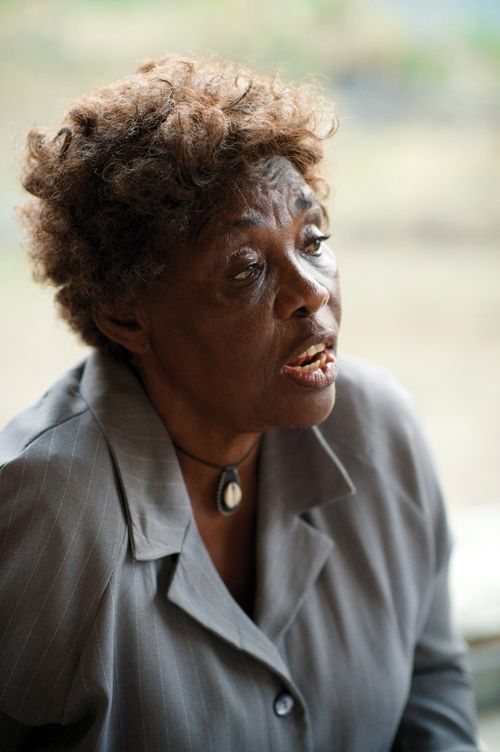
pixel 116 632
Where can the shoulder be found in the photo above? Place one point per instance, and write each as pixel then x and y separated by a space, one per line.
pixel 369 398
pixel 54 461
pixel 61 531
pixel 372 411
pixel 377 434
pixel 61 403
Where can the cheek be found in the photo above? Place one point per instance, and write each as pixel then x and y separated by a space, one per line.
pixel 242 327
pixel 242 360
pixel 209 336
pixel 335 296
pixel 237 354
pixel 337 305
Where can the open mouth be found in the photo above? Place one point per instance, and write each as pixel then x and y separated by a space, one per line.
pixel 311 359
pixel 315 368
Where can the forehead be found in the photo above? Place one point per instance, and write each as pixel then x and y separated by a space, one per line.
pixel 271 191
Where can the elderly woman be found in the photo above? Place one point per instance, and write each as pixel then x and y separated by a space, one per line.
pixel 197 553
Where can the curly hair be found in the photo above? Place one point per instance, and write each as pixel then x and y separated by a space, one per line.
pixel 132 169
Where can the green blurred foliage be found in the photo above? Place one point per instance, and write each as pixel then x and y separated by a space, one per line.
pixel 485 42
pixel 419 65
pixel 330 37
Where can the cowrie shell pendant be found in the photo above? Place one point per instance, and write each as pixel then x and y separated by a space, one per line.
pixel 229 493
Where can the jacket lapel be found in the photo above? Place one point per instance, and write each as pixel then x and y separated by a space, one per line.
pixel 199 591
pixel 298 471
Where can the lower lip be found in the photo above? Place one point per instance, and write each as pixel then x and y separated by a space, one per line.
pixel 319 379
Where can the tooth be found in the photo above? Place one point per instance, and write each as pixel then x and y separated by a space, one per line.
pixel 310 367
pixel 318 363
pixel 314 349
pixel 309 353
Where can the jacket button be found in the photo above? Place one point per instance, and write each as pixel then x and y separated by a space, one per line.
pixel 283 704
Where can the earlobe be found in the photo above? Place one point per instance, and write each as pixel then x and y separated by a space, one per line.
pixel 123 324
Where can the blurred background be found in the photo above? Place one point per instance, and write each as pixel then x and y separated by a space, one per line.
pixel 415 174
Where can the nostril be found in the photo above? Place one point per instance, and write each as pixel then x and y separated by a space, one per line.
pixel 302 312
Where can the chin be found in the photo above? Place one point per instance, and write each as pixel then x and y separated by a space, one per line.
pixel 311 411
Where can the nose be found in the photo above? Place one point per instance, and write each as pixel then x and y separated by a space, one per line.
pixel 300 294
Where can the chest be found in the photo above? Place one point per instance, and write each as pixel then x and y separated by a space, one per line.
pixel 211 679
pixel 232 553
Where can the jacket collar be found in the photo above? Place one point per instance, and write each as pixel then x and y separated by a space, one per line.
pixel 298 469
pixel 156 500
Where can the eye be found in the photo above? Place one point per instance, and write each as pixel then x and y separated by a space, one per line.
pixel 312 246
pixel 251 272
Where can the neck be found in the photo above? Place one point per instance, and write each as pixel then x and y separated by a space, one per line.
pixel 202 480
pixel 205 444
pixel 193 428
pixel 216 465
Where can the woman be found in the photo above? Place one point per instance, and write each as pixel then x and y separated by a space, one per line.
pixel 189 562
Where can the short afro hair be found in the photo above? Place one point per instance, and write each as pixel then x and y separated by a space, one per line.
pixel 128 175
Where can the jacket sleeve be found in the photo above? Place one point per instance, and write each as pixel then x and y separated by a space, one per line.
pixel 62 533
pixel 439 714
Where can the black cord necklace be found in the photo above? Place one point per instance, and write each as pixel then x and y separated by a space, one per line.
pixel 229 493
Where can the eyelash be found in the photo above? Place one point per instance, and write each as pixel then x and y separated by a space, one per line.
pixel 317 241
pixel 251 272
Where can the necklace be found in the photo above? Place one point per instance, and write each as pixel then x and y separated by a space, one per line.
pixel 229 493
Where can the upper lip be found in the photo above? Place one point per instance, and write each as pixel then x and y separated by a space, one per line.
pixel 328 338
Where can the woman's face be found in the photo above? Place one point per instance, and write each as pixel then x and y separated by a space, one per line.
pixel 228 322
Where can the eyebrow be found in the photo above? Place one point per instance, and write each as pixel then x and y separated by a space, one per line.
pixel 303 202
pixel 247 220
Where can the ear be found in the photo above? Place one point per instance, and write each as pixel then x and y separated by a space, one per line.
pixel 125 324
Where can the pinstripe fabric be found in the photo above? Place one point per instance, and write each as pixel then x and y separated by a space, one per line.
pixel 116 632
